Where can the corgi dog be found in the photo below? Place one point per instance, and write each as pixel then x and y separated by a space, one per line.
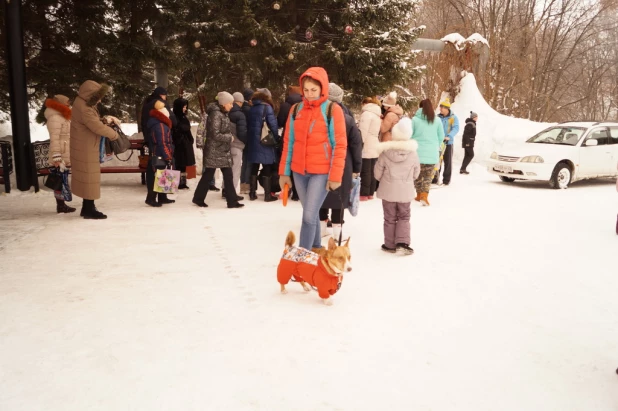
pixel 321 268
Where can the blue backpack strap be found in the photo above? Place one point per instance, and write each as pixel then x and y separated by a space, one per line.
pixel 291 139
pixel 327 110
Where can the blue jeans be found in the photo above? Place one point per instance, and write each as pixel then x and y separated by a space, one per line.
pixel 311 189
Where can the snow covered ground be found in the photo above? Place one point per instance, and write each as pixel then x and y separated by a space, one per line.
pixel 509 303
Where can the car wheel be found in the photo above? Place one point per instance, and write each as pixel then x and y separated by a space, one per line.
pixel 561 178
pixel 507 179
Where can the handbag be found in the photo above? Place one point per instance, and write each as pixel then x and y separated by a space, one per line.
pixel 121 144
pixel 191 172
pixel 54 182
pixel 267 139
pixel 354 197
pixel 143 161
pixel 166 181
pixel 158 163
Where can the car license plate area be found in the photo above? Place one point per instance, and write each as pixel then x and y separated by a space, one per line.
pixel 503 169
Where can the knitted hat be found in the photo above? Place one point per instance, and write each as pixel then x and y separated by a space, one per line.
pixel 390 100
pixel 238 97
pixel 247 93
pixel 473 114
pixel 402 131
pixel 446 103
pixel 62 99
pixel 335 93
pixel 265 91
pixel 223 97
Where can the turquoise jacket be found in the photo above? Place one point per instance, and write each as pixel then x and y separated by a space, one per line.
pixel 429 136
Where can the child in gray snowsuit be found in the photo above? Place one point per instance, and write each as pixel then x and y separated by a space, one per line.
pixel 397 168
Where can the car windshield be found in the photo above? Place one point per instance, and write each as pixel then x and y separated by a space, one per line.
pixel 559 135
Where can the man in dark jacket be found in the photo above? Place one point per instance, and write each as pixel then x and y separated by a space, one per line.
pixel 339 198
pixel 469 135
pixel 294 97
pixel 239 131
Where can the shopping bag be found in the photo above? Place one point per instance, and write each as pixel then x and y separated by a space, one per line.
pixel 191 172
pixel 354 197
pixel 166 181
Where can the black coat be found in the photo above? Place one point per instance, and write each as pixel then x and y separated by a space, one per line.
pixel 469 134
pixel 149 105
pixel 284 110
pixel 353 164
pixel 182 137
pixel 246 108
pixel 238 118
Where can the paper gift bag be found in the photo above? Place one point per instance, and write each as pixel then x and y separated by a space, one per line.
pixel 191 172
pixel 166 181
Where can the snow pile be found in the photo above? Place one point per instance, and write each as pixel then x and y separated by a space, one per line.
pixel 494 130
pixel 460 42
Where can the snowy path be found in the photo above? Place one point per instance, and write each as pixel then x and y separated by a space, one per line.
pixel 509 303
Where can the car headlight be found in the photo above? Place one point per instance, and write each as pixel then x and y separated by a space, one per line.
pixel 494 156
pixel 532 159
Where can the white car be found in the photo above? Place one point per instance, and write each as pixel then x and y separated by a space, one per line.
pixel 561 154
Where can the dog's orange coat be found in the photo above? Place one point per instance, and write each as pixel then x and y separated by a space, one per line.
pixel 314 275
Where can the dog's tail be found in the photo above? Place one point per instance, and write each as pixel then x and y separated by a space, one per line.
pixel 290 239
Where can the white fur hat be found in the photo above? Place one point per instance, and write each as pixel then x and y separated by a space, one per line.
pixel 402 130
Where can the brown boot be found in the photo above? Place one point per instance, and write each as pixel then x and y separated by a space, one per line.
pixel 425 199
pixel 418 196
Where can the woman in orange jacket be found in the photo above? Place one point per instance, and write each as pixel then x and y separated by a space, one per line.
pixel 314 149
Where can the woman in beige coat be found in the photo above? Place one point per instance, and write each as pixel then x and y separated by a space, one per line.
pixel 86 132
pixel 370 123
pixel 58 121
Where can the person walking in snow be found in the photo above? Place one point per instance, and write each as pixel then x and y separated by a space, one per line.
pixel 428 132
pixel 314 151
pixel 245 172
pixel 369 125
pixel 392 114
pixel 58 121
pixel 161 145
pixel 218 151
pixel 397 169
pixel 262 112
pixel 184 155
pixel 469 136
pixel 294 97
pixel 337 201
pixel 239 131
pixel 86 133
pixel 450 123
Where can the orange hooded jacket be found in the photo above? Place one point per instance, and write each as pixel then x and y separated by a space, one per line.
pixel 308 144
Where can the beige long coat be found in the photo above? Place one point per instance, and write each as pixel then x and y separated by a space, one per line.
pixel 86 132
pixel 58 117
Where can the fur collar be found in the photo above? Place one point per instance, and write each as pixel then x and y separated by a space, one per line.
pixel 98 95
pixel 407 145
pixel 65 111
pixel 161 117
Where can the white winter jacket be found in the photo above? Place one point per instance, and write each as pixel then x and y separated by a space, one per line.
pixel 369 126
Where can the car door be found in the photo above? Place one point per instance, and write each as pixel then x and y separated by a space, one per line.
pixel 594 160
pixel 613 148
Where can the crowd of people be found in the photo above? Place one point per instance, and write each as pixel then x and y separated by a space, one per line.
pixel 313 144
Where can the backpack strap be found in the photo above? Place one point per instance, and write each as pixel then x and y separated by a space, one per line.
pixel 296 109
pixel 327 112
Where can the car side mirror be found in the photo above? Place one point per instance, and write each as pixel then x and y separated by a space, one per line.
pixel 592 142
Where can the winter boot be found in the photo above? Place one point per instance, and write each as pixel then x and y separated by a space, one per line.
pixel 61 207
pixel 151 199
pixel 164 200
pixel 388 249
pixel 183 182
pixel 90 212
pixel 268 195
pixel 425 199
pixel 253 188
pixel 326 228
pixel 214 188
pixel 418 196
pixel 405 248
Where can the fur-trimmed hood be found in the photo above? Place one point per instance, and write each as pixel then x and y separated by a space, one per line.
pixel 408 146
pixel 92 92
pixel 55 108
pixel 161 117
pixel 262 98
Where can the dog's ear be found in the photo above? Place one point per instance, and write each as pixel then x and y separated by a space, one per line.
pixel 331 244
pixel 347 243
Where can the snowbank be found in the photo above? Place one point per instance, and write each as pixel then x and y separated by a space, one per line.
pixel 494 130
